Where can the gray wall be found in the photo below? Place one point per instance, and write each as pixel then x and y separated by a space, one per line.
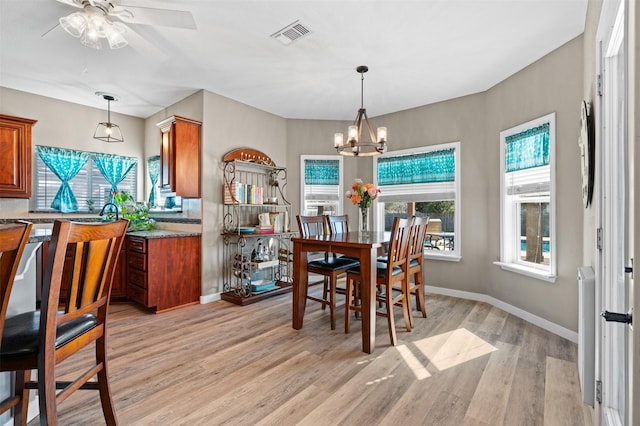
pixel 554 83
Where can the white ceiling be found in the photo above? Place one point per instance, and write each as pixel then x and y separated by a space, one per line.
pixel 418 52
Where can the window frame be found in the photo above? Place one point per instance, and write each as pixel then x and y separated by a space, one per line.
pixel 510 209
pixel 340 194
pixel 87 174
pixel 454 255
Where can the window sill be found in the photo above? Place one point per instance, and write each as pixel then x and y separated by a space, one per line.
pixel 530 272
pixel 445 257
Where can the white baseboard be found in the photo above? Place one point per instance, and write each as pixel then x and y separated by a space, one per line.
pixel 208 298
pixel 520 313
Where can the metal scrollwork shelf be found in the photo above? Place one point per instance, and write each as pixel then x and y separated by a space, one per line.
pixel 256 228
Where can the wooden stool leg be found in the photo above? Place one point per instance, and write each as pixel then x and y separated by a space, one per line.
pixel 332 302
pixel 390 320
pixel 103 383
pixel 420 295
pixel 406 305
pixel 325 291
pixel 22 408
pixel 47 391
pixel 347 305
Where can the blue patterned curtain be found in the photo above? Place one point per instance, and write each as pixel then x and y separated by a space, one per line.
pixel 426 167
pixel 153 165
pixel 321 172
pixel 114 168
pixel 65 164
pixel 527 149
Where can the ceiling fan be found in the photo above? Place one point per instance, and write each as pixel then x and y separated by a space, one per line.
pixel 107 19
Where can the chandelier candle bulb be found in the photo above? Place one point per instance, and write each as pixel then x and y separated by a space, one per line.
pixel 338 140
pixel 382 134
pixel 353 133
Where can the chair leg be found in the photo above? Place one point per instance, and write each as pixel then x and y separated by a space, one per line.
pixel 47 391
pixel 406 309
pixel 103 383
pixel 347 304
pixel 420 302
pixel 390 319
pixel 325 291
pixel 22 408
pixel 332 301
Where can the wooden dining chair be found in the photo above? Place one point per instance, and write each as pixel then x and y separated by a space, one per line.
pixel 13 239
pixel 415 260
pixel 391 280
pixel 85 254
pixel 329 266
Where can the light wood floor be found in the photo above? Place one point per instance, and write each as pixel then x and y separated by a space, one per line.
pixel 468 363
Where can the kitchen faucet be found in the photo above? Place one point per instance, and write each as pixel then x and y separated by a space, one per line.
pixel 105 206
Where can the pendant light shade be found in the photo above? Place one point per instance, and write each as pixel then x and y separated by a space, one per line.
pixel 108 131
pixel 357 143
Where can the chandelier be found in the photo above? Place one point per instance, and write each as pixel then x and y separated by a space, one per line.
pixel 357 144
pixel 91 25
pixel 108 131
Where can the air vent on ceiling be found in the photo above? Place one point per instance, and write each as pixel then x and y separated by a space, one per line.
pixel 291 33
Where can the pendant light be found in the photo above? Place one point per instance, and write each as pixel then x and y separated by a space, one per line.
pixel 108 131
pixel 358 145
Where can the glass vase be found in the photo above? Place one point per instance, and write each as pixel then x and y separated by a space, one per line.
pixel 364 220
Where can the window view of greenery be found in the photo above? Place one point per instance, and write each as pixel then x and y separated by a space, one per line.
pixel 534 232
pixel 441 228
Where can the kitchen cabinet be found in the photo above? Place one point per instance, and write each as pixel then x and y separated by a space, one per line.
pixel 180 156
pixel 15 156
pixel 163 271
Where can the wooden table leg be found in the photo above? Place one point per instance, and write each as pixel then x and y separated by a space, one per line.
pixel 368 287
pixel 300 279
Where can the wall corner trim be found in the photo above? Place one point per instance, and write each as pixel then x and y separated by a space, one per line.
pixel 520 313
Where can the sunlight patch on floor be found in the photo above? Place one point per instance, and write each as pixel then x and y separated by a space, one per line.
pixel 453 348
pixel 413 363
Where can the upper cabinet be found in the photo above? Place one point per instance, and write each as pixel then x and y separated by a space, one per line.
pixel 180 156
pixel 15 156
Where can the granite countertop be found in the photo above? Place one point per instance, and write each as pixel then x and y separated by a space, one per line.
pixel 40 235
pixel 162 233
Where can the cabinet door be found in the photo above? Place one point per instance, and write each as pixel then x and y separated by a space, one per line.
pixel 15 157
pixel 180 156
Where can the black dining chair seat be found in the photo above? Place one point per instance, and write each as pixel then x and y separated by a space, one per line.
pixel 381 270
pixel 21 333
pixel 333 263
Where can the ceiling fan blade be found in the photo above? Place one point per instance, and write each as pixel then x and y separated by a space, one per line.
pixel 153 16
pixel 74 3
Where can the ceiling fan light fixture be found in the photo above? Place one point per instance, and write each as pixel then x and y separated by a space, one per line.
pixel 92 25
pixel 115 37
pixel 108 131
pixel 357 144
pixel 74 24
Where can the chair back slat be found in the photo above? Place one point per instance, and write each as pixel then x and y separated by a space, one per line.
pixel 311 226
pixel 13 239
pixel 399 242
pixel 337 224
pixel 417 237
pixel 93 250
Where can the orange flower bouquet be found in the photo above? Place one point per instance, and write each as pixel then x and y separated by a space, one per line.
pixel 362 194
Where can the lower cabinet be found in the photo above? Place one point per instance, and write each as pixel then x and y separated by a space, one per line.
pixel 118 288
pixel 163 273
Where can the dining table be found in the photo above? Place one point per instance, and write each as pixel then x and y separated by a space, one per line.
pixel 362 245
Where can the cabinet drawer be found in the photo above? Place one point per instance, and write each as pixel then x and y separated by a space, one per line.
pixel 137 277
pixel 137 260
pixel 137 244
pixel 137 294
